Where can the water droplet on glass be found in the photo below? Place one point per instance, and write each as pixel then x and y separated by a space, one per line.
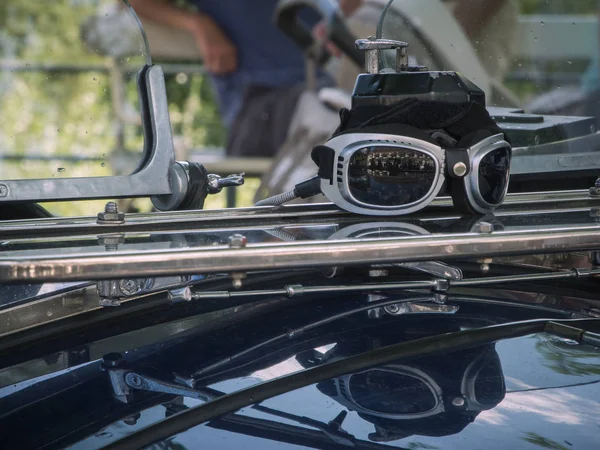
pixel 94 78
pixel 569 62
pixel 542 23
pixel 535 39
pixel 61 170
pixel 103 164
pixel 58 130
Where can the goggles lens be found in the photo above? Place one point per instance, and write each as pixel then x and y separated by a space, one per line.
pixel 391 393
pixel 493 175
pixel 489 384
pixel 390 176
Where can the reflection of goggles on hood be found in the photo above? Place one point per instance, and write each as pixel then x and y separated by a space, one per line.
pixel 403 392
pixel 432 396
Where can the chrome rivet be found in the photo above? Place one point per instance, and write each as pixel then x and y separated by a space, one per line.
pixel 394 309
pixel 460 169
pixel 458 402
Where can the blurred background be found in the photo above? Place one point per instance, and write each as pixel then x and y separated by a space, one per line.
pixel 69 106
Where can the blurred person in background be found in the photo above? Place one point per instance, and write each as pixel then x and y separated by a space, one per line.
pixel 256 70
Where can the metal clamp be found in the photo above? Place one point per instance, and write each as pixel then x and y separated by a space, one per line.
pixel 372 47
pixel 217 183
pixel 112 292
pixel 144 383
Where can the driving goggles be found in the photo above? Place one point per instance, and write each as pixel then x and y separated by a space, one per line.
pixel 385 174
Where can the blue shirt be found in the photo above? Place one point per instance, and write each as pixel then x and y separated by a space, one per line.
pixel 266 56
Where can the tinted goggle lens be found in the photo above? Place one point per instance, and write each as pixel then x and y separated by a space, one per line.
pixel 489 384
pixel 391 393
pixel 494 171
pixel 390 176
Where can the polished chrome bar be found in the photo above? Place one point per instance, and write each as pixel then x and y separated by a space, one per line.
pixel 515 204
pixel 112 265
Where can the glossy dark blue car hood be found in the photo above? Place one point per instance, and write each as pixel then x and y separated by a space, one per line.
pixel 538 390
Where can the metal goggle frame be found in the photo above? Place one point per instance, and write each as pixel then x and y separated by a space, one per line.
pixel 385 175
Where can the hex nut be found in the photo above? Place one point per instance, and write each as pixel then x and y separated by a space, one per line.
pixel 484 227
pixel 130 287
pixel 111 240
pixel 108 218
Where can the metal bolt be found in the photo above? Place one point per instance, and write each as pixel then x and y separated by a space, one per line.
pixel 595 213
pixel 237 241
pixel 441 285
pixel 595 191
pixel 439 298
pixel 460 169
pixel 112 360
pixel 132 419
pixel 129 287
pixel 180 295
pixel 110 302
pixel 111 215
pixel 111 208
pixel 111 242
pixel 484 227
pixel 237 278
pixel 458 402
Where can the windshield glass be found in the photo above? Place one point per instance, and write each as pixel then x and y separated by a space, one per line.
pixel 68 92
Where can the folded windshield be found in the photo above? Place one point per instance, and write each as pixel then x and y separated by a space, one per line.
pixel 68 89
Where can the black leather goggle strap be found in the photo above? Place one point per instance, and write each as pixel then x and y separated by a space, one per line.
pixel 462 122
pixel 458 120
pixel 324 158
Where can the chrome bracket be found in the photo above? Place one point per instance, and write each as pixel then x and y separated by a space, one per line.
pixel 144 383
pixel 112 292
